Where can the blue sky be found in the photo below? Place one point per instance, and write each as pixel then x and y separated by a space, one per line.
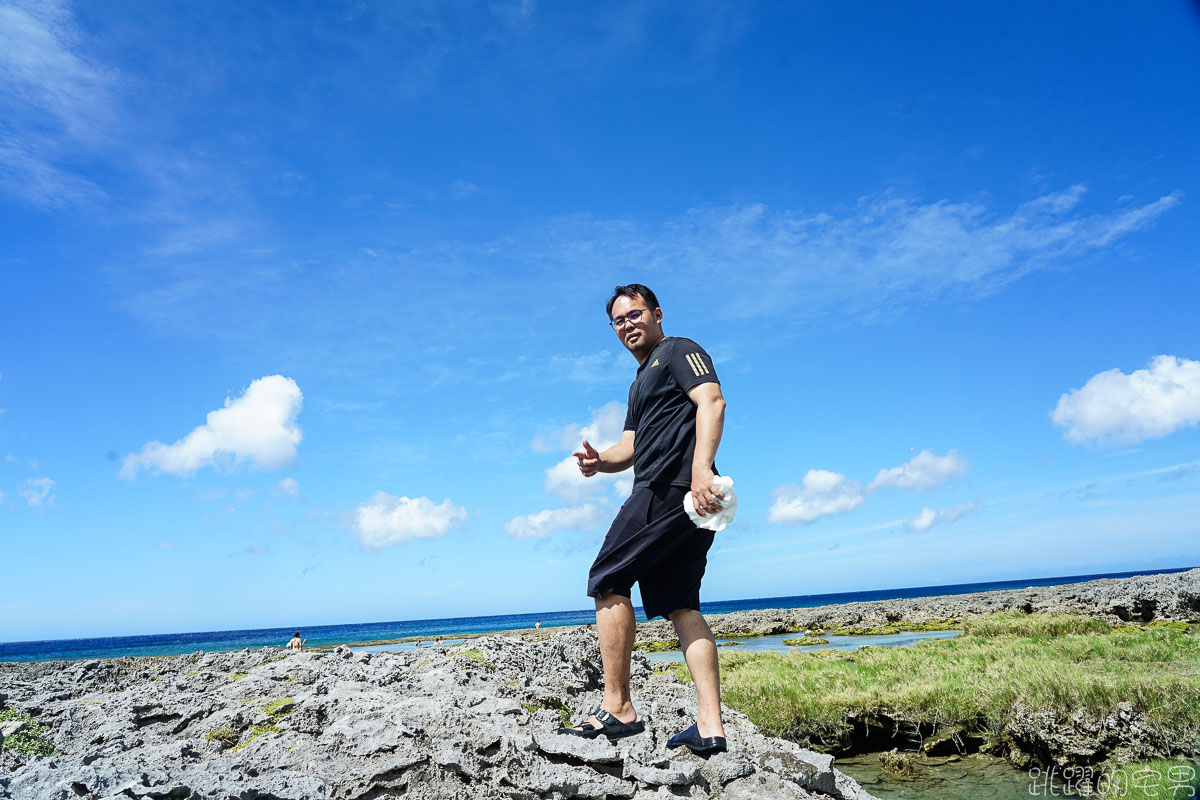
pixel 301 306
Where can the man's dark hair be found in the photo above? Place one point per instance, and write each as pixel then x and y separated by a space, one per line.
pixel 631 291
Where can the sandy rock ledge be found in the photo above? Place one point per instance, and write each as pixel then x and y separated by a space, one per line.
pixel 472 721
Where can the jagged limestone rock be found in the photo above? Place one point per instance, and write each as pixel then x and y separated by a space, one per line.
pixel 428 725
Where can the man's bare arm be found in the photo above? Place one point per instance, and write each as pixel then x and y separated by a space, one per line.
pixel 617 458
pixel 710 422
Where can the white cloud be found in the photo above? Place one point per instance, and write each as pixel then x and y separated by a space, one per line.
pixel 290 487
pixel 1113 408
pixel 164 544
pixel 822 492
pixel 928 517
pixel 37 492
pixel 925 471
pixel 605 430
pixel 543 523
pixel 257 428
pixel 387 520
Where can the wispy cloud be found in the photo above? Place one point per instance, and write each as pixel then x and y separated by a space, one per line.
pixel 873 260
pixel 37 492
pixel 461 190
pixel 929 517
pixel 1113 408
pixel 57 104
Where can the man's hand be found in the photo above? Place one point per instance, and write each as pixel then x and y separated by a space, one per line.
pixel 705 497
pixel 588 458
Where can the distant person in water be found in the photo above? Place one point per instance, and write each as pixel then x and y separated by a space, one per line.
pixel 296 642
pixel 675 417
pixel 537 624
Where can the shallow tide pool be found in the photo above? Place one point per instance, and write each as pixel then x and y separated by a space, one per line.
pixel 761 644
pixel 971 778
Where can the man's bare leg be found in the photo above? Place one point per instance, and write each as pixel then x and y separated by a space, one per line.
pixel 616 627
pixel 700 652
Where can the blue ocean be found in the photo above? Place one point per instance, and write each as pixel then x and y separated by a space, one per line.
pixel 215 641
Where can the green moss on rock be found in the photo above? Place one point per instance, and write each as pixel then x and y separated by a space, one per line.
pixel 225 736
pixel 32 740
pixel 476 654
pixel 805 641
pixel 255 732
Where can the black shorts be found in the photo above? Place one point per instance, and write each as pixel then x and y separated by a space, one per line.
pixel 653 543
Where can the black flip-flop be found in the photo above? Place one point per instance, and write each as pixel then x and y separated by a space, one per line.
pixel 610 727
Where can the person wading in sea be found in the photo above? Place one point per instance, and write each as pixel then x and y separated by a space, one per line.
pixel 672 430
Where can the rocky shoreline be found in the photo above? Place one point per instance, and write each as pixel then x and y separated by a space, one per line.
pixel 477 720
pixel 1143 598
pixel 473 720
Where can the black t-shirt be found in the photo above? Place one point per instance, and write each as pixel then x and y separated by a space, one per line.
pixel 661 415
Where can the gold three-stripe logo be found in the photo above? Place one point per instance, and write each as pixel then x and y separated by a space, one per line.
pixel 697 364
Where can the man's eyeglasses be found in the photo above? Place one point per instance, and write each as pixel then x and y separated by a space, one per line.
pixel 633 316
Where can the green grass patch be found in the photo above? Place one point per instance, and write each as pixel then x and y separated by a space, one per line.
pixel 255 732
pixel 476 654
pixel 31 741
pixel 237 676
pixel 274 707
pixel 1061 663
pixel 1155 780
pixel 805 641
pixel 657 647
pixel 1028 625
pixel 890 628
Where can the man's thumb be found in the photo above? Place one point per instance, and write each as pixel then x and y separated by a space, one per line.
pixel 587 447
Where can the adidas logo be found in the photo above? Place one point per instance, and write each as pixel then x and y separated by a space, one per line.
pixel 655 364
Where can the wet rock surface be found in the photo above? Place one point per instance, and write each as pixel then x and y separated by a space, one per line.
pixel 473 721
pixel 1143 598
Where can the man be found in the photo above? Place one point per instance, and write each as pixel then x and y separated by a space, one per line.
pixel 672 430
pixel 296 643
